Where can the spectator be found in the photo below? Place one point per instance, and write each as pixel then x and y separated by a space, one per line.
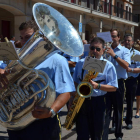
pixel 84 42
pixel 91 37
pixel 1 38
pixel 12 39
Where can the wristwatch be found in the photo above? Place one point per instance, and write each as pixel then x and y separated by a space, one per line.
pixel 132 70
pixel 53 113
pixel 116 56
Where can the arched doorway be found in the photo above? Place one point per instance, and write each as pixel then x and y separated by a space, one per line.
pixel 6 23
pixel 91 28
pixel 88 31
pixel 11 17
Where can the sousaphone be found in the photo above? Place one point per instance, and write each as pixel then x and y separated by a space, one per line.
pixel 25 83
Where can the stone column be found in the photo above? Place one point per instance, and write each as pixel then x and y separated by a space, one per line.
pixel 91 5
pixel 76 2
pixel 132 31
pixel 18 20
pixel 101 25
pixel 83 33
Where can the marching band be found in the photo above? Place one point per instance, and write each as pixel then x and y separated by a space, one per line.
pixel 119 80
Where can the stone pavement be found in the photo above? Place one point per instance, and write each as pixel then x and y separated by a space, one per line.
pixel 133 134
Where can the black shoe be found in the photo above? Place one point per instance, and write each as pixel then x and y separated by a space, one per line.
pixel 129 126
pixel 112 130
pixel 136 116
pixel 119 138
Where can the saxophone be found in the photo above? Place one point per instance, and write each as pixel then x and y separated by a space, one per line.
pixel 84 90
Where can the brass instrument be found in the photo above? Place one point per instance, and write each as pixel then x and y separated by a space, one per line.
pixel 84 90
pixel 108 44
pixel 27 84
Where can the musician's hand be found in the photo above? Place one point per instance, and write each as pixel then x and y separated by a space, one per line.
pixel 2 71
pixel 3 80
pixel 110 52
pixel 94 84
pixel 129 69
pixel 41 112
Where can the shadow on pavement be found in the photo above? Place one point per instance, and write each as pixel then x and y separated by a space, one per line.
pixel 69 134
pixel 4 132
pixel 4 138
pixel 63 113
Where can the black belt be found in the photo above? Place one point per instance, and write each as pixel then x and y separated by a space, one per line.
pixel 130 78
pixel 92 97
pixel 98 81
pixel 89 98
pixel 120 79
pixel 133 63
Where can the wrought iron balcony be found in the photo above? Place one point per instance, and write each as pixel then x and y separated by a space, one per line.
pixel 106 8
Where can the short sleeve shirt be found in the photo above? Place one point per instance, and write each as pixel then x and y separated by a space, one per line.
pixel 109 76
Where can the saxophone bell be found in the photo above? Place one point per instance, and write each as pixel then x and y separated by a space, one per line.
pixel 85 89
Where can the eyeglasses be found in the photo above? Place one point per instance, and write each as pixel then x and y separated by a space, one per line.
pixel 113 36
pixel 93 48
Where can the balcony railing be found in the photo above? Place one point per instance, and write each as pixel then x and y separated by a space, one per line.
pixel 106 8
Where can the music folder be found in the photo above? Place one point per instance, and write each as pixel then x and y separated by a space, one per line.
pixel 8 51
pixel 94 64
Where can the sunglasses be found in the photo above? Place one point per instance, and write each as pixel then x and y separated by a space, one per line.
pixel 93 48
pixel 113 36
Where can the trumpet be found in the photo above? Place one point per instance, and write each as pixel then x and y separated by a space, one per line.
pixel 107 45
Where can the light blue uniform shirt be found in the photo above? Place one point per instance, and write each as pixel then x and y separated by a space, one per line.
pixel 73 59
pixel 134 64
pixel 124 54
pixel 57 69
pixel 109 76
pixel 2 65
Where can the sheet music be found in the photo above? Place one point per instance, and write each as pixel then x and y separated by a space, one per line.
pixel 8 51
pixel 93 63
pixel 86 47
pixel 106 36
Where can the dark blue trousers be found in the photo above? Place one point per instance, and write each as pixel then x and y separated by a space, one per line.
pixel 114 99
pixel 43 129
pixel 131 87
pixel 90 120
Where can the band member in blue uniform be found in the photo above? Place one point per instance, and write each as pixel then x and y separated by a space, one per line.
pixel 48 126
pixel 131 81
pixel 90 118
pixel 2 65
pixel 120 57
pixel 71 61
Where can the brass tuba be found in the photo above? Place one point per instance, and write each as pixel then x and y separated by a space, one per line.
pixel 84 90
pixel 60 35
